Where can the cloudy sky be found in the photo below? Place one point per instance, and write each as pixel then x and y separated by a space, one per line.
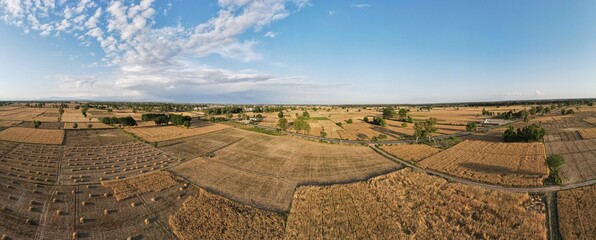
pixel 297 51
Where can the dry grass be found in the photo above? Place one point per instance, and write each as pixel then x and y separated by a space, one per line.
pixel 577 208
pixel 164 133
pixel 32 135
pixel 152 182
pixel 587 133
pixel 408 204
pixel 207 216
pixel 262 170
pixel 509 164
pixel 411 152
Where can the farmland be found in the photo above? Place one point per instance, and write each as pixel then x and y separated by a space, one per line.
pixel 263 170
pixel 407 204
pixel 509 164
pixel 217 180
pixel 411 152
pixel 158 134
pixel 207 216
pixel 576 209
pixel 570 137
pixel 31 135
pixel 587 133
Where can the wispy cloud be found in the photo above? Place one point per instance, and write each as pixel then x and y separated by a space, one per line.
pixel 539 93
pixel 271 34
pixel 332 12
pixel 360 5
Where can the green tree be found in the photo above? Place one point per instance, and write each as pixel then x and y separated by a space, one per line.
pixel 404 125
pixel 305 114
pixel 186 124
pixel 389 112
pixel 403 114
pixel 555 161
pixel 36 123
pixel 349 121
pixel 366 119
pixel 471 127
pixel 90 125
pixel 75 125
pixel 282 123
pixel 280 114
pixel 323 134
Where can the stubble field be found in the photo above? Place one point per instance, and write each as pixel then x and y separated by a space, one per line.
pixel 262 170
pixel 32 135
pixel 164 133
pixel 408 204
pixel 509 164
pixel 576 210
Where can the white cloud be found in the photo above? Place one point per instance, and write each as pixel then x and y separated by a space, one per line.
pixel 539 93
pixel 146 57
pixel 360 5
pixel 271 34
pixel 332 12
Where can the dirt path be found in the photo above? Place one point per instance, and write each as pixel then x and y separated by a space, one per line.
pixel 552 216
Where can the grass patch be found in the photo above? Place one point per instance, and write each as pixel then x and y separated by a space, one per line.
pixel 261 130
pixel 317 118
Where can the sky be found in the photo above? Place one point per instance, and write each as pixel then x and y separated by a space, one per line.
pixel 297 51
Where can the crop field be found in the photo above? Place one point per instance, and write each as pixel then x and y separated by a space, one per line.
pixel 207 216
pixel 509 164
pixel 29 162
pixel 92 164
pixel 95 137
pixel 411 152
pixel 198 146
pixel 32 135
pixel 9 123
pixel 570 138
pixel 408 204
pixel 164 133
pixel 580 159
pixel 576 209
pixel 152 182
pixel 73 115
pixel 262 170
pixel 21 114
pixel 587 133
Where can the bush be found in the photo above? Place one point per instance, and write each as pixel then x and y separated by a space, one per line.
pixel 404 125
pixel 36 124
pixel 349 121
pixel 471 127
pixel 75 125
pixel 554 163
pixel 530 133
pixel 90 125
pixel 161 120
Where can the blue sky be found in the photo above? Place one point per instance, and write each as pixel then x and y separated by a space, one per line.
pixel 297 51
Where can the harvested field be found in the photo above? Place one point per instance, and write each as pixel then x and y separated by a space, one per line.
pixel 207 216
pixel 262 170
pixel 32 135
pixel 408 204
pixel 73 115
pixel 587 133
pixel 9 123
pixel 35 163
pixel 509 164
pixel 43 125
pixel 576 210
pixel 152 182
pixel 85 125
pixel 198 146
pixel 96 137
pixel 84 164
pixel 411 152
pixel 21 114
pixel 164 133
pixel 580 159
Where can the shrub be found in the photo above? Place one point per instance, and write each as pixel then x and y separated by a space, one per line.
pixel 471 127
pixel 349 121
pixel 554 163
pixel 36 123
pixel 75 125
pixel 530 133
pixel 90 125
pixel 404 125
